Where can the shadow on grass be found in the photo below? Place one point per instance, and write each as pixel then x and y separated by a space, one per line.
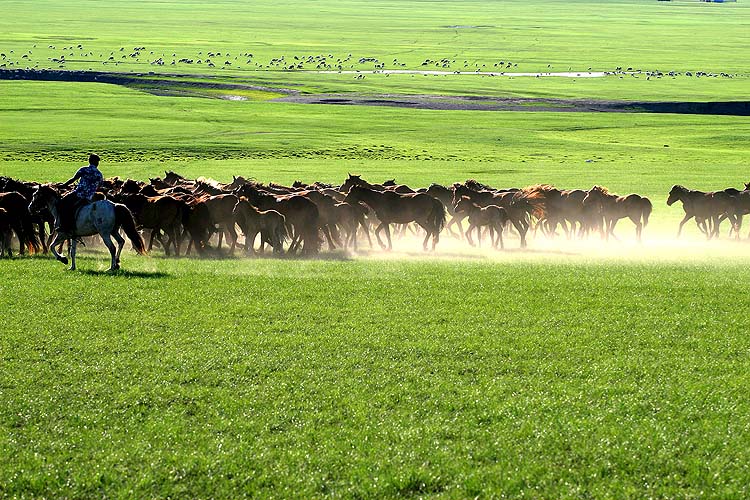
pixel 126 274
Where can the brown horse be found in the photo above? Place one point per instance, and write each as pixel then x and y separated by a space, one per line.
pixel 562 207
pixel 221 214
pixel 350 216
pixel 269 223
pixel 700 205
pixel 518 205
pixel 160 213
pixel 301 214
pixel 17 207
pixel 392 207
pixel 6 227
pixel 491 216
pixel 613 208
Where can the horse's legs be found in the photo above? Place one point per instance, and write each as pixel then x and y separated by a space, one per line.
pixel 377 235
pixel 468 234
pixel 521 232
pixel 73 246
pixel 106 238
pixel 120 244
pixel 388 235
pixel 500 235
pixel 366 230
pixel 682 223
pixel 53 247
pixel 327 234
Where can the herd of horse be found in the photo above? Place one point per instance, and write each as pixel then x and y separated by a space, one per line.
pixel 301 218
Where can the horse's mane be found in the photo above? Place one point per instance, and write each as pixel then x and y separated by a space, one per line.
pixel 539 188
pixel 603 190
pixel 477 186
pixel 207 180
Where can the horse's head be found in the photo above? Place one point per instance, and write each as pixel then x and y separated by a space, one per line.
pixel 351 181
pixel 460 190
pixel 595 196
pixel 675 194
pixel 42 196
pixel 463 204
pixel 354 195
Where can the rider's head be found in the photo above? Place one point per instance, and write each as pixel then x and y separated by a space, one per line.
pixel 94 160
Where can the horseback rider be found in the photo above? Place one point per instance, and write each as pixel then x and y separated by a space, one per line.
pixel 89 178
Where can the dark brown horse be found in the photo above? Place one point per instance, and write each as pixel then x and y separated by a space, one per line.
pixel 6 228
pixel 491 216
pixel 518 205
pixel 269 223
pixel 22 223
pixel 699 205
pixel 393 207
pixel 160 213
pixel 350 217
pixel 613 208
pixel 300 213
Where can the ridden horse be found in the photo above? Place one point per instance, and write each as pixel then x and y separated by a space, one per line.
pixel 491 215
pixel 613 208
pixel 393 207
pixel 99 217
pixel 269 223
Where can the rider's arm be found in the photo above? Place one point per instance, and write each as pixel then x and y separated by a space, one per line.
pixel 72 179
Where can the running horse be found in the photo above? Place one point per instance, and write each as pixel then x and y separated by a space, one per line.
pixel 392 207
pixel 613 208
pixel 704 207
pixel 99 217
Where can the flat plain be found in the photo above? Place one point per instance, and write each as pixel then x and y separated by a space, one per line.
pixel 612 371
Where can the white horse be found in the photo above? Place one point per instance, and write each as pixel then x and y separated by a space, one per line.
pixel 100 217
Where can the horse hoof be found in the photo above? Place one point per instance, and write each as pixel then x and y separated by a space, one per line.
pixel 64 260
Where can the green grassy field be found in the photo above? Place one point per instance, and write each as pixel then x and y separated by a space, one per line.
pixel 605 372
pixel 379 378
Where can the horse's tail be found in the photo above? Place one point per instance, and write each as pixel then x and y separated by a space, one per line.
pixel 282 233
pixel 124 218
pixel 29 234
pixel 437 215
pixel 647 207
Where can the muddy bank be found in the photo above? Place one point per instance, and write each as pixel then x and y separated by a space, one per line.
pixel 177 85
pixel 139 80
pixel 478 103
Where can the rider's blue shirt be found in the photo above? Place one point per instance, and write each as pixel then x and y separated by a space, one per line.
pixel 89 179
